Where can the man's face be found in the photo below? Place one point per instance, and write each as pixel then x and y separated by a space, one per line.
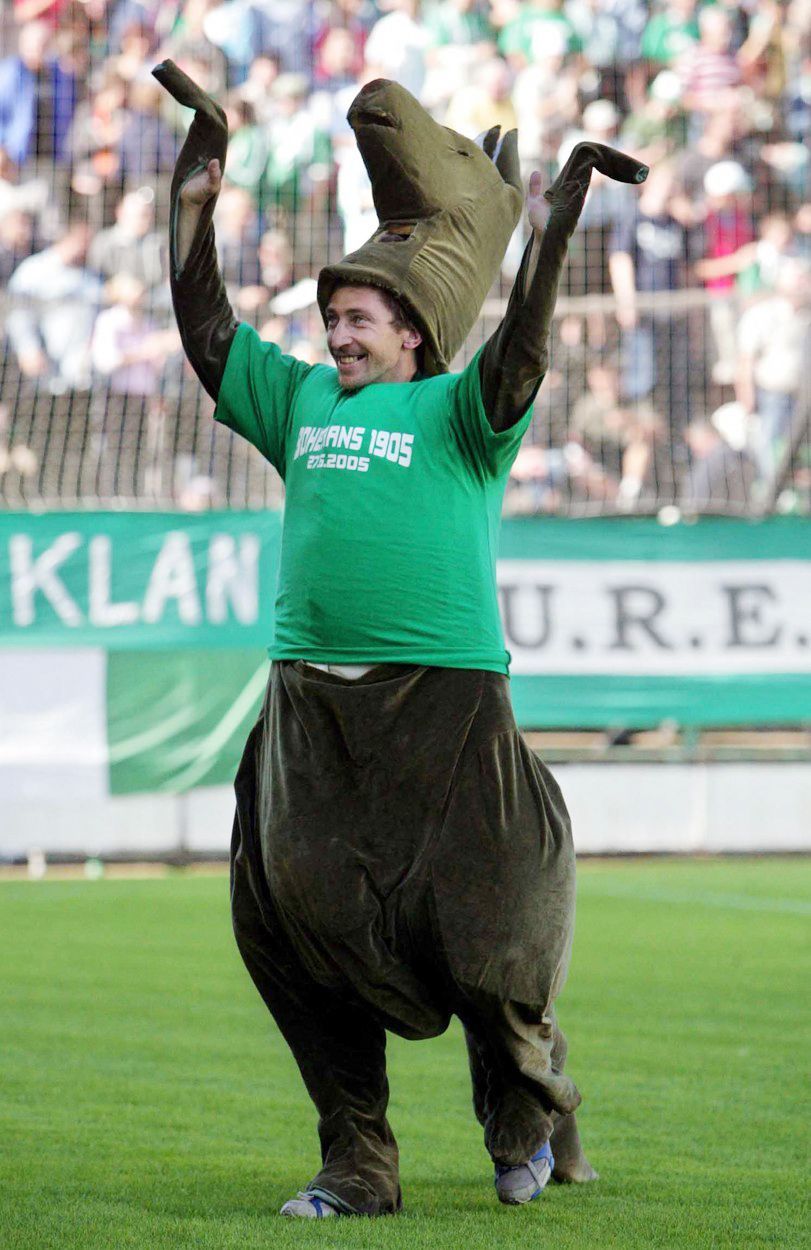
pixel 364 342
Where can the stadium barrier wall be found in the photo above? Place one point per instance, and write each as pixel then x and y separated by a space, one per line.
pixel 133 661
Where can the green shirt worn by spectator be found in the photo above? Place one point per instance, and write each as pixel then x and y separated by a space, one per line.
pixel 528 33
pixel 448 26
pixel 665 39
pixel 393 501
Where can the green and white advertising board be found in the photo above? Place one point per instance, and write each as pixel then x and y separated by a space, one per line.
pixel 133 645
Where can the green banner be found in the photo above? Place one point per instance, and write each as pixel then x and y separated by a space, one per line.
pixel 126 580
pixel 609 622
pixel 177 720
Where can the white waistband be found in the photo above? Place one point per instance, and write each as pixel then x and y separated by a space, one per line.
pixel 350 671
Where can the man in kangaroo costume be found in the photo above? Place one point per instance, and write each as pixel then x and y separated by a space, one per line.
pixel 399 855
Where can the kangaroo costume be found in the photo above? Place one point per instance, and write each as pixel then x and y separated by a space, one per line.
pixel 399 855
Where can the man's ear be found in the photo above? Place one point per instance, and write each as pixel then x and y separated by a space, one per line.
pixel 412 339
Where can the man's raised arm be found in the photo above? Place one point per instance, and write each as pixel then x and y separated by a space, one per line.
pixel 515 357
pixel 204 315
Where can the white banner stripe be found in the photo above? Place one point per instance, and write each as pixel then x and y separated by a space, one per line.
pixel 53 724
pixel 697 618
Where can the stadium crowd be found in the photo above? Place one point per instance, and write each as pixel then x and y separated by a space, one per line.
pixel 685 311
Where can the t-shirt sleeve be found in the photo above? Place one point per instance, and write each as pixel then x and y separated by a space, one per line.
pixel 257 393
pixel 489 453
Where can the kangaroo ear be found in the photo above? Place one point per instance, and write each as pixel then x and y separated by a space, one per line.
pixel 488 140
pixel 507 162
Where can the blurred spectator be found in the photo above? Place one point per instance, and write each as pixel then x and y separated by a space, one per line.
pixel 256 88
pixel 649 255
pixel 727 227
pixel 157 16
pixel 147 146
pixel 299 152
pixel 457 25
pixel 354 18
pixel 718 475
pixel 763 55
pixel 735 77
pixel 542 479
pixel 275 261
pixel 131 246
pixel 670 33
pixel 37 98
pixel 546 101
pixel 609 34
pixel 238 30
pixel 757 265
pixel 523 39
pixel 587 272
pixel 126 347
pixel 49 11
pixel 618 436
pixel 93 142
pixel 237 225
pixel 484 102
pixel 798 96
pixel 137 43
pixel 709 69
pixel 773 338
pixel 198 494
pixel 287 34
pixel 247 148
pixel 537 477
pixel 53 302
pixel 397 44
pixel 338 63
pixel 658 127
pixel 715 144
pixel 16 241
pixel 194 51
pixel 15 457
pixel 29 196
pixel 461 38
pixel 354 198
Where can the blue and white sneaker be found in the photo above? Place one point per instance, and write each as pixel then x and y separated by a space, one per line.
pixel 524 1182
pixel 308 1207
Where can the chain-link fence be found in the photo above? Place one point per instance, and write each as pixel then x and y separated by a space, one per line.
pixel 676 375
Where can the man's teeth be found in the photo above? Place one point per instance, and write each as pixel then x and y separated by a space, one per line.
pixel 349 360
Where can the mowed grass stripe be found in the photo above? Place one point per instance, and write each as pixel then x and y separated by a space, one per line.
pixel 149 1101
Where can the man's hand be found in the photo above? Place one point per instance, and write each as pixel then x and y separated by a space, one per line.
pixel 537 205
pixel 199 189
pixel 194 194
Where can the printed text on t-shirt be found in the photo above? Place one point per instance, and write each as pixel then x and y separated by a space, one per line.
pixel 390 445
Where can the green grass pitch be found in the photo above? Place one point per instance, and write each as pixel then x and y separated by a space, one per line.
pixel 147 1100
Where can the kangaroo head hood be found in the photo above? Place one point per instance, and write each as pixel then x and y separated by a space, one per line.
pixel 447 208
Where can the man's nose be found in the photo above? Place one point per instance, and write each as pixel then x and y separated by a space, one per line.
pixel 339 334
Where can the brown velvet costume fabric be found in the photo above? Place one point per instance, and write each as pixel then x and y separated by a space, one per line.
pixel 459 202
pixel 515 358
pixel 399 856
pixel 204 315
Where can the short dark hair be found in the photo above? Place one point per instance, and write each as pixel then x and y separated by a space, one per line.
pixel 399 316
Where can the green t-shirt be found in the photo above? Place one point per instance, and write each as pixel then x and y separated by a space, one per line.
pixel 530 32
pixel 392 509
pixel 664 38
